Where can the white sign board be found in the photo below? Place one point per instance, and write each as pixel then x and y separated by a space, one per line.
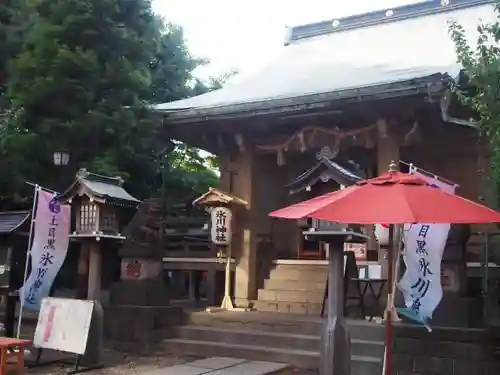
pixel 221 225
pixel 63 324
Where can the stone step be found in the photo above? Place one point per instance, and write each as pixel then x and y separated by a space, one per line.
pixel 272 339
pixel 249 337
pixel 368 348
pixel 282 322
pixel 307 308
pixel 298 285
pixel 297 274
pixel 291 296
pixel 361 365
pixel 305 267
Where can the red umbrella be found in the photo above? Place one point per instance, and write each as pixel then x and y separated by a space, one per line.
pixel 392 198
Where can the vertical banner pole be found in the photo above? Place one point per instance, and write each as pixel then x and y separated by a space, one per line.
pixel 28 259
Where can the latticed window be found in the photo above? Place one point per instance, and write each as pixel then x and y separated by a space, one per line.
pixel 108 220
pixel 88 217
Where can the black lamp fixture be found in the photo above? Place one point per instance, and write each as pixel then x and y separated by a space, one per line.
pixel 61 158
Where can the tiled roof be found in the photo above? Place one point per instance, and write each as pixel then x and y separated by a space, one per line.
pixel 355 61
pixel 10 221
pixel 107 188
pixel 338 173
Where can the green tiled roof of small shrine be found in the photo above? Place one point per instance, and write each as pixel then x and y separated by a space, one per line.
pixel 104 188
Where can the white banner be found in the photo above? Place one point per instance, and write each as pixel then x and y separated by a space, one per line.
pixel 424 247
pixel 49 248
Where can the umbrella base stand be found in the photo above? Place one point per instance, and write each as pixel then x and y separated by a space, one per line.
pixel 336 350
pixel 336 343
pixel 392 314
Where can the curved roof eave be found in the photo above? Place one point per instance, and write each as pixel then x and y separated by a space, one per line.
pixel 430 84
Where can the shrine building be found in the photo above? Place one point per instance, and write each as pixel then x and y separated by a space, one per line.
pixel 343 99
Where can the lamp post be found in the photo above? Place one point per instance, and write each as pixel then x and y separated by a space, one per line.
pixel 61 158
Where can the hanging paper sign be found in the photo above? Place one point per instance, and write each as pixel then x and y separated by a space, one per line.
pixel 449 280
pixel 424 246
pixel 359 250
pixel 221 218
pixel 382 234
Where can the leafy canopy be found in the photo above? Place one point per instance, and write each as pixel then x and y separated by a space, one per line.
pixel 482 95
pixel 79 75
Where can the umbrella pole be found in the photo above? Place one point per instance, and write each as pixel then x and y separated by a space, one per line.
pixel 388 311
pixel 397 261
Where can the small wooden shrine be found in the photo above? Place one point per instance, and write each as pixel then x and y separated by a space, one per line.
pixel 326 170
pixel 98 203
pixel 14 232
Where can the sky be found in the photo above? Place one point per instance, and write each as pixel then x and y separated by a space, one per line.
pixel 243 35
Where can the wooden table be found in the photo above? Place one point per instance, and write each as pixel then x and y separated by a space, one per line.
pixel 7 343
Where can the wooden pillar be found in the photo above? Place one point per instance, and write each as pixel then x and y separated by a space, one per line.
pixel 387 151
pixel 82 272
pixel 94 286
pixel 244 240
pixel 210 287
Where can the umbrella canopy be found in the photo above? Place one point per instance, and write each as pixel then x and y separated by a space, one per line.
pixel 391 198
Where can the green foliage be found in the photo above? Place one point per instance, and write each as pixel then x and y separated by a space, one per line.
pixel 11 26
pixel 187 174
pixel 482 91
pixel 82 74
pixel 172 66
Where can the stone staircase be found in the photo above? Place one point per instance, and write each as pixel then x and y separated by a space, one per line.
pixel 296 289
pixel 286 338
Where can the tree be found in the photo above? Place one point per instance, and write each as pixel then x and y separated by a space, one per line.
pixel 83 75
pixel 11 25
pixel 481 94
pixel 172 66
pixel 80 83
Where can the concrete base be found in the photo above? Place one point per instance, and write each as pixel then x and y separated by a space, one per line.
pixel 446 351
pixel 140 328
pixel 148 292
pixel 221 366
pixel 456 311
pixel 221 309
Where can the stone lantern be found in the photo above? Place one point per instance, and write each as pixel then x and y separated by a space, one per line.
pixel 100 206
pixel 221 205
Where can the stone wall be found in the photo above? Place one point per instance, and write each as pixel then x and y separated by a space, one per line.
pixel 444 351
pixel 140 329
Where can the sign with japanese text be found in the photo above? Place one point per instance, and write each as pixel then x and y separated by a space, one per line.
pixel 131 269
pixel 424 246
pixel 49 248
pixel 221 225
pixel 140 269
pixel 63 324
pixel 359 249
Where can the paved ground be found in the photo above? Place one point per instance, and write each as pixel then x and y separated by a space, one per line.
pixel 220 366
